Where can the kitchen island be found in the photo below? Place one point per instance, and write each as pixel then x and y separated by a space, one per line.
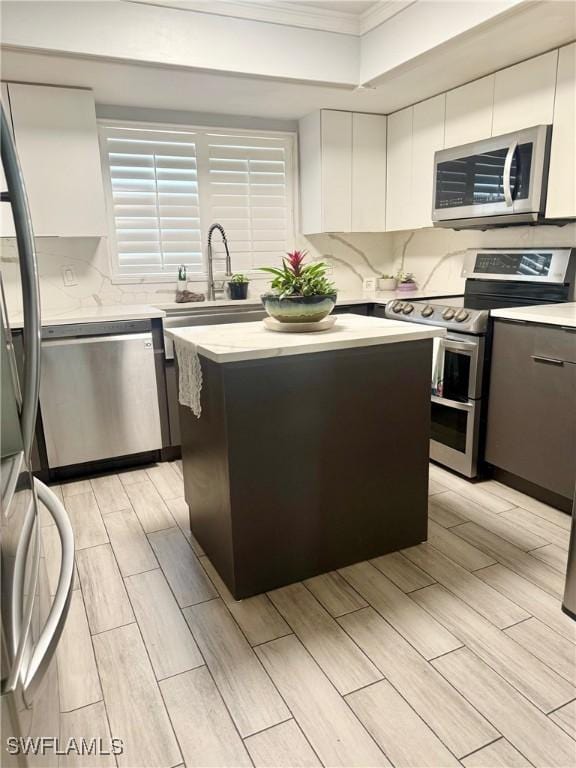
pixel 311 450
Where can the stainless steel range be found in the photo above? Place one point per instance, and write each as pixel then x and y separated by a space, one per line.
pixel 495 278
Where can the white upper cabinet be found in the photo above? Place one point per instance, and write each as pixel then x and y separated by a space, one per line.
pixel 524 94
pixel 427 138
pixel 6 220
pixel 399 172
pixel 57 143
pixel 342 172
pixel 561 200
pixel 469 112
pixel 368 173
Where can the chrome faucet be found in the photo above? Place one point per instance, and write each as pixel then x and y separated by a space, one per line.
pixel 212 287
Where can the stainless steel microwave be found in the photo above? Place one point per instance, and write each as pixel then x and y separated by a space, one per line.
pixel 493 182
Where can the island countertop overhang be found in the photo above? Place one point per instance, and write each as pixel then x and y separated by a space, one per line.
pixel 234 342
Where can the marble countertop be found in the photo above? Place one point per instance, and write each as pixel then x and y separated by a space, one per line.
pixel 374 297
pixel 233 342
pixel 100 314
pixel 545 314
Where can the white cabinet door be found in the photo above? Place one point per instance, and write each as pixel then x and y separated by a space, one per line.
pixel 399 171
pixel 57 142
pixel 427 138
pixel 6 220
pixel 368 173
pixel 469 112
pixel 524 94
pixel 561 200
pixel 310 171
pixel 336 171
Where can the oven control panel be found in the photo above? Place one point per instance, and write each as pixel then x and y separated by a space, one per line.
pixel 456 318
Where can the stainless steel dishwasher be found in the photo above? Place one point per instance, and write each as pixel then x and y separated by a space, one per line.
pixel 98 395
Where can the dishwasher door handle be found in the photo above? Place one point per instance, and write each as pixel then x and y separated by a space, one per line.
pixel 78 340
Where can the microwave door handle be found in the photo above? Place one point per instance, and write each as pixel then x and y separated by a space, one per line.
pixel 508 173
pixel 29 275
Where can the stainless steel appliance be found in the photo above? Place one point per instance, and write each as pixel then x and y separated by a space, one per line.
pixel 31 621
pixel 109 408
pixel 493 182
pixel 495 278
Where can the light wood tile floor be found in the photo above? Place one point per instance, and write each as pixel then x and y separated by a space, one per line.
pixel 454 652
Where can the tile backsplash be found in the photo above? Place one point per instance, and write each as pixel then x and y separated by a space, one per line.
pixel 434 256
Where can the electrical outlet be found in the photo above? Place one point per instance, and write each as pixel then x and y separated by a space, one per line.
pixel 69 276
pixel 369 283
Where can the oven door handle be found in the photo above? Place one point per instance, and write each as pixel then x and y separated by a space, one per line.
pixel 508 174
pixel 460 346
pixel 453 403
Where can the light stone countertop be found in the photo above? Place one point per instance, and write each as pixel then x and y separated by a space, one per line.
pixel 545 314
pixel 233 342
pixel 102 314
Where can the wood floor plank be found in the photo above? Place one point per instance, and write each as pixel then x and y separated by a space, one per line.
pixel 541 685
pixel 52 549
pixel 518 499
pixel 426 634
pixel 341 660
pixel 513 558
pixel 402 572
pixel 548 646
pixel 75 487
pixel 90 723
pixel 441 514
pixel 84 514
pixel 552 555
pixel 435 700
pixel 181 567
pixel 131 547
pixel 336 735
pixel 523 725
pixel 473 491
pixel 533 599
pixel 335 594
pixel 107 604
pixel 283 746
pixel 135 708
pixel 109 493
pixel 434 487
pixel 496 523
pixel 476 593
pixel 149 506
pixel 204 729
pixel 77 672
pixel 168 482
pixel 565 717
pixel 389 718
pixel 133 476
pixel 456 548
pixel 250 697
pixel 550 532
pixel 166 635
pixel 256 616
pixel 181 513
pixel 501 754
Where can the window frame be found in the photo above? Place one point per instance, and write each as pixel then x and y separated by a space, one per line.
pixel 292 180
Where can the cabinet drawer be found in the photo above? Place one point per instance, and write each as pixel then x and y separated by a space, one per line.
pixel 555 342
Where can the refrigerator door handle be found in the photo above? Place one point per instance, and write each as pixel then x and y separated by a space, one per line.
pixel 29 276
pixel 46 644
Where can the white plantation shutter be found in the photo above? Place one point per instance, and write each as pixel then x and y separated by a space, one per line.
pixel 249 191
pixel 167 185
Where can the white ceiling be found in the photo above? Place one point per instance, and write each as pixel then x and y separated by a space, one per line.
pixel 355 7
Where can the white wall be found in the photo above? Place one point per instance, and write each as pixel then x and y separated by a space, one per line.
pixel 180 38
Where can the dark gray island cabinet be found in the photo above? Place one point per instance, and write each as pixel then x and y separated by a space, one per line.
pixel 311 450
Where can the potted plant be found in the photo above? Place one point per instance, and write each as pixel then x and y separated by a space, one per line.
pixel 387 283
pixel 301 293
pixel 238 286
pixel 406 281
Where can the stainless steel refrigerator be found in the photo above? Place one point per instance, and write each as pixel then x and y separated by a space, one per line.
pixel 32 619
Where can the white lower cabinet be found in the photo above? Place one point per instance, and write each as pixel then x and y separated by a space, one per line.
pixel 561 200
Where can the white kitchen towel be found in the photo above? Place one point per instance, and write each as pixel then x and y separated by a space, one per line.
pixel 190 375
pixel 438 367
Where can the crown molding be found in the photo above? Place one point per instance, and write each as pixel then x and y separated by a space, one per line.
pixel 381 12
pixel 283 13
